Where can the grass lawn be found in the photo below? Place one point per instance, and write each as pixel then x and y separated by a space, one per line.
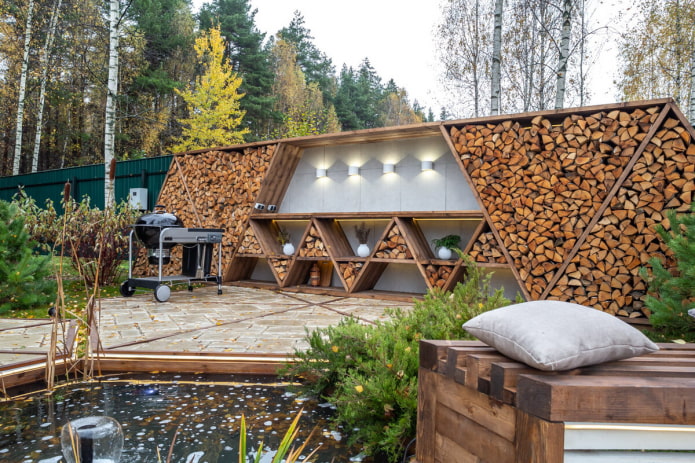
pixel 76 294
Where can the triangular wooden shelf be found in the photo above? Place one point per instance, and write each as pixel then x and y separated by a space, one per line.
pixel 249 244
pixel 483 247
pixel 281 268
pixel 439 275
pixel 392 245
pixel 312 244
pixel 349 272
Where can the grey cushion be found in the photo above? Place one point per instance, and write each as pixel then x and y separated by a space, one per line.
pixel 555 335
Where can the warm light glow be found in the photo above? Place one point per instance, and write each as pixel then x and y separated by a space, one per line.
pixel 628 427
pixel 426 165
pixel 321 173
pixel 389 168
pixel 353 170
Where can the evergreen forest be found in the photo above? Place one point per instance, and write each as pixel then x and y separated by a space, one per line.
pixel 89 81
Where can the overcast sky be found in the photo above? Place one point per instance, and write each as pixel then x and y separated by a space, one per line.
pixel 398 38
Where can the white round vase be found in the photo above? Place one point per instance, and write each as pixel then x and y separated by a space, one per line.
pixel 363 250
pixel 288 249
pixel 444 253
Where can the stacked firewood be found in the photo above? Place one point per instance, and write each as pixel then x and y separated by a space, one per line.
pixel 605 271
pixel 313 245
pixel 280 265
pixel 393 246
pixel 544 182
pixel 216 189
pixel 349 271
pixel 486 250
pixel 249 244
pixel 438 275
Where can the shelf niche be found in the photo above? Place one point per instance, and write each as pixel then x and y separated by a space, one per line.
pixel 396 240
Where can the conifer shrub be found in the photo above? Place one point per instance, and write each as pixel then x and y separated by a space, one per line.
pixel 24 275
pixel 672 282
pixel 369 372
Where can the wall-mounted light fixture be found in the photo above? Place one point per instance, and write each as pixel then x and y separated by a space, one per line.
pixel 321 173
pixel 353 170
pixel 426 165
pixel 389 168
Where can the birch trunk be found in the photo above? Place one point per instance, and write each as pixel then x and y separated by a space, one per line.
pixel 496 90
pixel 112 92
pixel 561 81
pixel 46 52
pixel 22 91
pixel 691 102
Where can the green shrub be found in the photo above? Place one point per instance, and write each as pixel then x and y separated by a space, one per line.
pixel 369 372
pixel 672 291
pixel 95 240
pixel 24 275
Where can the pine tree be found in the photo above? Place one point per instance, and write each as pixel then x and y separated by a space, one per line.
pixel 213 102
pixel 672 290
pixel 23 275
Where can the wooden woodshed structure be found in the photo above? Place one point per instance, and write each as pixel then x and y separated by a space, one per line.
pixel 560 204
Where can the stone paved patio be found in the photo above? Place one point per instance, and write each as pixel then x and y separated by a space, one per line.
pixel 241 320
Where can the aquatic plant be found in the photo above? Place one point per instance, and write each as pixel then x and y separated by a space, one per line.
pixel 284 450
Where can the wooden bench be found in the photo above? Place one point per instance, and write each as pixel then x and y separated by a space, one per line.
pixel 476 405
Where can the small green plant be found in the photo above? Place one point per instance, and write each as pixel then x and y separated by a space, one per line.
pixel 285 453
pixel 24 282
pixel 448 241
pixel 369 372
pixel 672 281
pixel 362 233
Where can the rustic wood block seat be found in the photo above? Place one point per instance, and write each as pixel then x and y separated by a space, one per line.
pixel 477 405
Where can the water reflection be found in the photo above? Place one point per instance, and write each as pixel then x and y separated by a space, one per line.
pixel 203 412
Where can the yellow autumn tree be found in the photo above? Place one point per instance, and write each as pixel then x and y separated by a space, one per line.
pixel 213 102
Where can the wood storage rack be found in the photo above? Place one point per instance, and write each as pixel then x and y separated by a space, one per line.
pixel 569 202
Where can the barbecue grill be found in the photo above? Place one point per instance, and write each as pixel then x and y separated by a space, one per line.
pixel 159 232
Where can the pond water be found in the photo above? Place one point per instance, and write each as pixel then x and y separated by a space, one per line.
pixel 203 412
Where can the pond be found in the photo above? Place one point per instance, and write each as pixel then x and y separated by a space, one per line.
pixel 203 412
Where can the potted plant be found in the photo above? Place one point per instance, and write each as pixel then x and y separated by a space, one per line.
pixel 362 233
pixel 444 245
pixel 284 240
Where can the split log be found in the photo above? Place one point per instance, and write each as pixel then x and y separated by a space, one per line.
pixel 313 245
pixel 249 244
pixel 438 275
pixel 543 183
pixel 215 189
pixel 280 267
pixel 394 246
pixel 349 272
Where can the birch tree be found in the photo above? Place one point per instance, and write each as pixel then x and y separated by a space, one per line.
pixel 115 16
pixel 22 90
pixel 496 87
pixel 45 55
pixel 464 53
pixel 563 54
pixel 658 54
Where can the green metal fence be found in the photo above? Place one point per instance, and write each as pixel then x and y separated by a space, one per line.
pixel 89 180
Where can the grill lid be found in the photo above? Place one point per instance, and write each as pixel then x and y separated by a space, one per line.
pixel 149 226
